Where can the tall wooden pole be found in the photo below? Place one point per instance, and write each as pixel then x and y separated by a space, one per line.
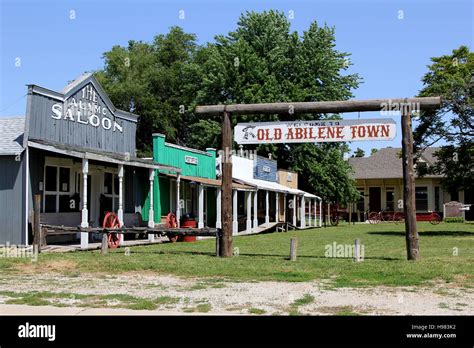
pixel 226 237
pixel 409 208
pixel 37 237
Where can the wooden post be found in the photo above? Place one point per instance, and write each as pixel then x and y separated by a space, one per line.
pixel 350 213
pixel 37 238
pixel 293 248
pixel 409 208
pixel 218 243
pixel 226 250
pixel 357 250
pixel 105 244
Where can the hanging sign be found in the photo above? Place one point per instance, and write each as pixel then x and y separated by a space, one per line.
pixel 315 131
pixel 191 160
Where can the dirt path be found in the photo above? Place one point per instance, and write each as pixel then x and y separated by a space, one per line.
pixel 173 295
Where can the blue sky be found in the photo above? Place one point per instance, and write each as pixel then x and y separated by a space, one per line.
pixel 391 54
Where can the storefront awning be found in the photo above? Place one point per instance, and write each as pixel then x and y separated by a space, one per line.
pixel 273 186
pixel 266 185
pixel 97 155
pixel 212 182
pixel 309 195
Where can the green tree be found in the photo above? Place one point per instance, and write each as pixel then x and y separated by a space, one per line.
pixel 373 151
pixel 155 80
pixel 452 78
pixel 329 172
pixel 264 61
pixel 359 153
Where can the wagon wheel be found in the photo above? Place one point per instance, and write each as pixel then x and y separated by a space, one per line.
pixel 374 218
pixel 111 221
pixel 172 223
pixel 435 219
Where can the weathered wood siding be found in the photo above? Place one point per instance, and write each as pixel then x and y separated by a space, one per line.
pixel 12 200
pixel 43 126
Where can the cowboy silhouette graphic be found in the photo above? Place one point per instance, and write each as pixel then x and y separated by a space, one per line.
pixel 248 132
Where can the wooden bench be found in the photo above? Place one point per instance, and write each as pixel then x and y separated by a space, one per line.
pixel 50 220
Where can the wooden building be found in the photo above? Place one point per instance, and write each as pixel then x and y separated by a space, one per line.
pixel 77 151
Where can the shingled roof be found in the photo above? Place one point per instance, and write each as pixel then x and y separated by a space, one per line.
pixel 386 163
pixel 11 135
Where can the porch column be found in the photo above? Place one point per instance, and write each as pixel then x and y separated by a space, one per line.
pixel 235 223
pixel 151 212
pixel 320 213
pixel 178 199
pixel 201 206
pixel 267 208
pixel 255 211
pixel 284 207
pixel 218 208
pixel 277 207
pixel 303 213
pixel 309 212
pixel 294 210
pixel 85 213
pixel 315 224
pixel 120 200
pixel 249 210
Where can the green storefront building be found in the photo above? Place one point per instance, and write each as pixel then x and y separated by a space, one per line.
pixel 191 194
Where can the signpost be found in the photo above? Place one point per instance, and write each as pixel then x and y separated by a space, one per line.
pixel 384 132
pixel 314 131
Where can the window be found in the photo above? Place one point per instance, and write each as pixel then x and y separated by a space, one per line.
pixel 436 197
pixel 421 198
pixel 111 191
pixel 360 201
pixel 289 177
pixel 390 199
pixel 57 189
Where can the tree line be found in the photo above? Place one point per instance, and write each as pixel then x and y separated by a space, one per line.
pixel 262 60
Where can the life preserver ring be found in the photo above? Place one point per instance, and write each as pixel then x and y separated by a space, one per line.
pixel 111 221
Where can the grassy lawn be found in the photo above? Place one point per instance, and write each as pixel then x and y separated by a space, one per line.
pixel 264 257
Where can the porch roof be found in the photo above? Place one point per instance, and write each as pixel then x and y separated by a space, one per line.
pixel 12 130
pixel 211 182
pixel 267 185
pixel 97 155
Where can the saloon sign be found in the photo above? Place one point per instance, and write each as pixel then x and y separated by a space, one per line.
pixel 86 109
pixel 315 131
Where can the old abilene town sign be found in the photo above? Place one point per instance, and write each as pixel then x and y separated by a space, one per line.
pixel 315 131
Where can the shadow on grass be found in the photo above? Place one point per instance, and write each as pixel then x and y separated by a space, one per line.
pixel 430 233
pixel 213 254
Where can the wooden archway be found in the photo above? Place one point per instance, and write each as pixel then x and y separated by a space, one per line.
pixel 405 105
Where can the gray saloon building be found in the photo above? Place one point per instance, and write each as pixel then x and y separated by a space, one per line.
pixel 77 151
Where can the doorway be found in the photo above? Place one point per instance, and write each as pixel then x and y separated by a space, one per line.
pixel 375 194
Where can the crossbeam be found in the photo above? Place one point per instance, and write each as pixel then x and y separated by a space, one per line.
pixel 397 104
